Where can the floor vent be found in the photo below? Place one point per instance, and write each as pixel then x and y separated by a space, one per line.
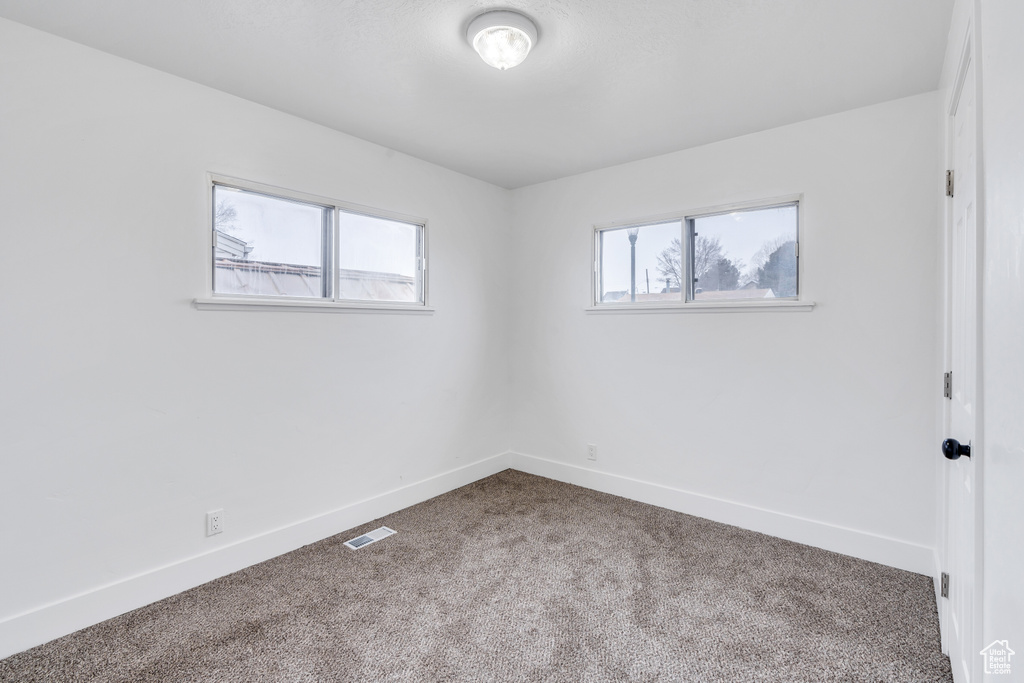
pixel 368 538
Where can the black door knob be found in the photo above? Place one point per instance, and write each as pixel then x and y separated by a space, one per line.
pixel 953 449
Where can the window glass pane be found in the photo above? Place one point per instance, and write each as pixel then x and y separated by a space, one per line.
pixel 647 270
pixel 747 254
pixel 265 245
pixel 378 259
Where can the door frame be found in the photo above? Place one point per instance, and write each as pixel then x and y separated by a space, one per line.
pixel 969 53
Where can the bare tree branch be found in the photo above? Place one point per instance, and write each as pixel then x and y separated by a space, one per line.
pixel 224 215
pixel 670 262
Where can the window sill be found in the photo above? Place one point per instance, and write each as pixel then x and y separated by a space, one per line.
pixel 699 307
pixel 289 305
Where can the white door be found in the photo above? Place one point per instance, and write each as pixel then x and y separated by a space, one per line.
pixel 960 475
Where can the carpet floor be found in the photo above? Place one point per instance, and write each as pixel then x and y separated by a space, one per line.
pixel 521 578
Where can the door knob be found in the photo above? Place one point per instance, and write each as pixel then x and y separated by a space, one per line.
pixel 953 449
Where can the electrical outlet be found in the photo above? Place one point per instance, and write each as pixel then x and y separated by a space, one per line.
pixel 591 452
pixel 214 522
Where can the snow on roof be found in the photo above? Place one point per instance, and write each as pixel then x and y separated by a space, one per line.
pixel 266 278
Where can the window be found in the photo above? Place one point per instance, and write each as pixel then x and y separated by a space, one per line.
pixel 268 246
pixel 630 256
pixel 378 259
pixel 744 253
pixel 272 244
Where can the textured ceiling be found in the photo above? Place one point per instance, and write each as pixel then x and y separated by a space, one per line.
pixel 610 81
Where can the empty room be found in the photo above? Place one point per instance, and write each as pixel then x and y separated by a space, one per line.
pixel 545 340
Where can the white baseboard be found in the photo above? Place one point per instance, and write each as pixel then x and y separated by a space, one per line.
pixel 59 618
pixel 42 624
pixel 866 546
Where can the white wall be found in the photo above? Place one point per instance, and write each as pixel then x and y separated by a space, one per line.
pixel 828 415
pixel 126 414
pixel 1002 111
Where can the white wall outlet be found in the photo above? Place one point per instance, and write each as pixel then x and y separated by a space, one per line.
pixel 591 452
pixel 214 522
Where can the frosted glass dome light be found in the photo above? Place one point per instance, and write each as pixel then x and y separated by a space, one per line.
pixel 502 38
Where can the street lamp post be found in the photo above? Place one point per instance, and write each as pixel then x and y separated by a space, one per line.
pixel 632 232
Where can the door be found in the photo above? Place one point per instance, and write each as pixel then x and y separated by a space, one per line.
pixel 963 321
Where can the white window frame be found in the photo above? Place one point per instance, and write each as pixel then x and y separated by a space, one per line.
pixel 685 303
pixel 329 253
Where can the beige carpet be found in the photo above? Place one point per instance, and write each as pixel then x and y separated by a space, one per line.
pixel 519 578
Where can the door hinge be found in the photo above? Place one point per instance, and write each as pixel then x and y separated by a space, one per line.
pixel 947 385
pixel 945 585
pixel 949 183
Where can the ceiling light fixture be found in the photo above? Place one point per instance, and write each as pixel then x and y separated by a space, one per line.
pixel 502 38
